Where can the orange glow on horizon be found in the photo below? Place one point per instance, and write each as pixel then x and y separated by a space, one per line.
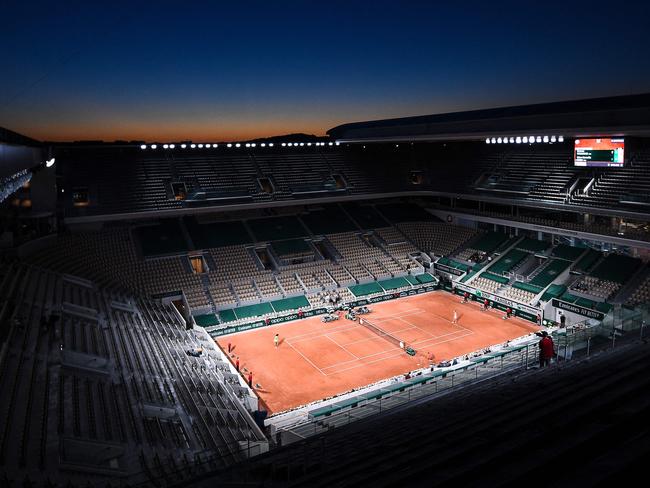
pixel 141 132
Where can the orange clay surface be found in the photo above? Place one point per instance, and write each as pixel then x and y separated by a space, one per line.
pixel 316 360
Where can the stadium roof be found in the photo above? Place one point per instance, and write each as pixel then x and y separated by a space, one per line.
pixel 10 137
pixel 627 115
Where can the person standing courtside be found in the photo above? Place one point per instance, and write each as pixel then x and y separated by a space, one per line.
pixel 276 340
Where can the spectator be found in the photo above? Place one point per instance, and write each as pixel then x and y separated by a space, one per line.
pixel 546 352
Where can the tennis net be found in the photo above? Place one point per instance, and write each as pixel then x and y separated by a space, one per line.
pixel 382 333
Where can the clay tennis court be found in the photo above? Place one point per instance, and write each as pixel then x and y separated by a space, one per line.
pixel 316 360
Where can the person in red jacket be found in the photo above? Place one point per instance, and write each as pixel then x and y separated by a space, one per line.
pixel 546 352
pixel 486 304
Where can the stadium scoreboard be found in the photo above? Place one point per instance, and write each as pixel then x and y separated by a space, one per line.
pixel 599 153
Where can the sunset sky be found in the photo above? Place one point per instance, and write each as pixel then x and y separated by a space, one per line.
pixel 235 70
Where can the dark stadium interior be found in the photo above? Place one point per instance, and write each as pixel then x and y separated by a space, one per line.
pixel 123 260
pixel 211 240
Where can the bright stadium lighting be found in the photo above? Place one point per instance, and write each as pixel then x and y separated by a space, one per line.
pixel 487 141
pixel 545 139
pixel 192 146
pixel 238 145
pixel 289 144
pixel 553 139
pixel 172 146
pixel 208 146
pixel 302 143
pixel 270 144
pixel 518 140
pixel 143 146
pixel 512 140
pixel 525 139
pixel 539 139
pixel 153 146
pixel 560 139
pixel 331 143
pixel 248 144
pixel 309 144
pixel 49 163
pixel 253 144
pixel 215 145
pixel 284 144
pixel 229 145
pixel 165 146
pixel 499 140
pixel 200 146
pixel 183 146
pixel 263 144
pixel 494 140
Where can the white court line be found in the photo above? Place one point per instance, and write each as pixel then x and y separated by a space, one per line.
pixel 391 350
pixel 414 311
pixel 365 363
pixel 344 348
pixel 374 335
pixel 330 328
pixel 420 343
pixel 307 359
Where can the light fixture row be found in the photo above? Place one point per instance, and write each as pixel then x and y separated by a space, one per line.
pixel 524 140
pixel 234 144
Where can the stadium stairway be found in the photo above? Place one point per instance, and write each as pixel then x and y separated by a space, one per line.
pixel 576 423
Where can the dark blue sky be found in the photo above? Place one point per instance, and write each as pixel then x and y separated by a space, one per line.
pixel 222 71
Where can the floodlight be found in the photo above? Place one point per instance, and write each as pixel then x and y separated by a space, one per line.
pixel 183 146
pixel 512 140
pixel 172 146
pixel 525 139
pixel 208 146
pixel 518 140
pixel 153 146
pixel 238 145
pixel 560 139
pixel 143 146
pixel 553 139
pixel 49 163
pixel 192 146
pixel 284 144
pixel 270 144
pixel 200 146
pixel 539 139
pixel 165 146
pixel 499 140
pixel 545 139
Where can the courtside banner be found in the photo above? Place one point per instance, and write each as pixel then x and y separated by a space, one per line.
pixel 585 312
pixel 448 269
pixel 217 332
pixel 525 311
